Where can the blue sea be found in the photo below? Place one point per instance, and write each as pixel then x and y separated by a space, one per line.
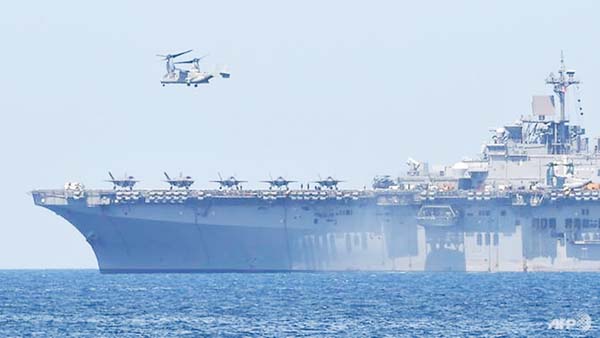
pixel 85 303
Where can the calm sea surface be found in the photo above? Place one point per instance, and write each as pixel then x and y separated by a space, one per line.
pixel 86 303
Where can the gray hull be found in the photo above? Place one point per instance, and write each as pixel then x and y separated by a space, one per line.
pixel 255 235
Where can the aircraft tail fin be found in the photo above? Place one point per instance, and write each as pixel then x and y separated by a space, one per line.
pixel 224 72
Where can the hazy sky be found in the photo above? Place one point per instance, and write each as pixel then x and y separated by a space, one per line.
pixel 318 87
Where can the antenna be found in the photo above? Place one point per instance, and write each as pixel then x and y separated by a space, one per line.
pixel 561 83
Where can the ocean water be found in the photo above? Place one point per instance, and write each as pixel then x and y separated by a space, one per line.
pixel 85 303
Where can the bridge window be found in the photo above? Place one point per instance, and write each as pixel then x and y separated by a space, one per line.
pixel 544 223
pixel 535 222
pixel 577 223
pixel 503 213
pixel 487 238
pixel 356 240
pixel 479 239
pixel 517 222
pixel 552 223
pixel 496 239
pixel 585 211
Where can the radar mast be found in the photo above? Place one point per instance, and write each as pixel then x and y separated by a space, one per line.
pixel 561 83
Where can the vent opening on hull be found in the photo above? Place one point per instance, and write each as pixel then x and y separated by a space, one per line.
pixel 437 215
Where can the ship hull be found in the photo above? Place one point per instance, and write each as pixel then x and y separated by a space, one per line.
pixel 229 238
pixel 254 235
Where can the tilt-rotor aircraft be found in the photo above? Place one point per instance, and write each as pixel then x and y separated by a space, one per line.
pixel 191 76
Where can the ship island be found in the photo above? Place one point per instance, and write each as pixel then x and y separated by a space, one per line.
pixel 530 201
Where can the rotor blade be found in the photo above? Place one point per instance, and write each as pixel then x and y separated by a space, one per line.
pixel 179 54
pixel 194 60
pixel 188 61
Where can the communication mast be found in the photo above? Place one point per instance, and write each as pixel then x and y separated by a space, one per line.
pixel 566 77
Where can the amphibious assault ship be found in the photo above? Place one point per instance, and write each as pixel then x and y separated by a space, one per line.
pixel 528 202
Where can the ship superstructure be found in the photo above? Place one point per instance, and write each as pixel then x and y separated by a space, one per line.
pixel 527 203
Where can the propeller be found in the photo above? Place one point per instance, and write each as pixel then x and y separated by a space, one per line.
pixel 194 60
pixel 170 56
